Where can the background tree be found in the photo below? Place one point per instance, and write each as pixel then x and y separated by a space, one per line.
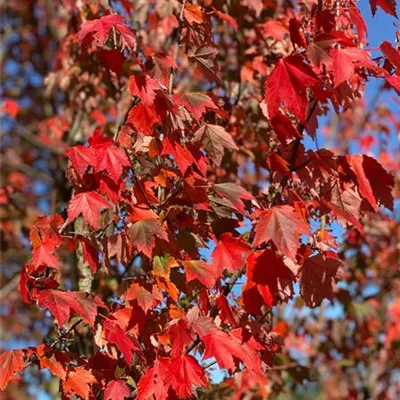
pixel 170 220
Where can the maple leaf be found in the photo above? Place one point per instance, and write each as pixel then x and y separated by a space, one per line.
pixel 283 226
pixel 98 31
pixel 225 17
pixel 389 6
pixel 391 53
pixel 228 253
pixel 272 278
pixel 200 270
pixel 225 310
pixel 44 255
pixel 185 156
pixel 11 362
pixel 185 372
pixel 180 337
pixel 374 183
pixel 162 265
pixel 153 382
pixel 215 139
pixel 112 160
pixel 296 34
pixel 234 194
pixel 81 158
pixel 90 254
pixel 54 361
pixel 112 60
pixel 196 102
pixel 193 14
pixel 161 67
pixel 89 204
pixel 115 334
pixel 222 346
pixel 342 212
pixel 283 127
pixel 145 298
pixel 78 382
pixel 317 277
pixel 116 390
pixel 143 118
pixel 61 303
pixel 206 59
pixel 345 62
pixel 144 230
pixel 394 82
pixel 45 230
pixel 287 84
pixel 144 87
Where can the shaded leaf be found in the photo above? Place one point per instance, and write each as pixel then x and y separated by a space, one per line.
pixel 215 139
pixel 283 226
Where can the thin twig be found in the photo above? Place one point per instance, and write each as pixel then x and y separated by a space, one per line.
pixel 28 170
pixel 284 181
pixel 66 333
pixel 29 137
pixel 284 367
pixel 9 287
pixel 139 185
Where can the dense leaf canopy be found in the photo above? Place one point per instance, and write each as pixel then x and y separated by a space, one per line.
pixel 172 225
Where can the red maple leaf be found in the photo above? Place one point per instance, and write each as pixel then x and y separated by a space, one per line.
pixel 144 87
pixel 180 337
pixel 146 299
pixel 283 226
pixel 389 6
pixel 161 67
pixel 116 390
pixel 55 361
pixel 115 334
pixel 317 277
pixel 81 158
pixel 11 362
pixel 10 107
pixel 89 204
pixel 186 373
pixel 229 253
pixel 98 31
pixel 268 279
pixel 112 160
pixel 44 255
pixel 200 270
pixel 391 53
pixel 145 228
pixel 233 194
pixel 143 118
pixel 225 348
pixel 288 85
pixel 153 381
pixel 374 183
pixel 78 382
pixel 61 304
pixel 197 103
pixel 345 61
pixel 215 139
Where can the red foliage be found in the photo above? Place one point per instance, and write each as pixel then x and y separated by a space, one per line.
pixel 194 106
